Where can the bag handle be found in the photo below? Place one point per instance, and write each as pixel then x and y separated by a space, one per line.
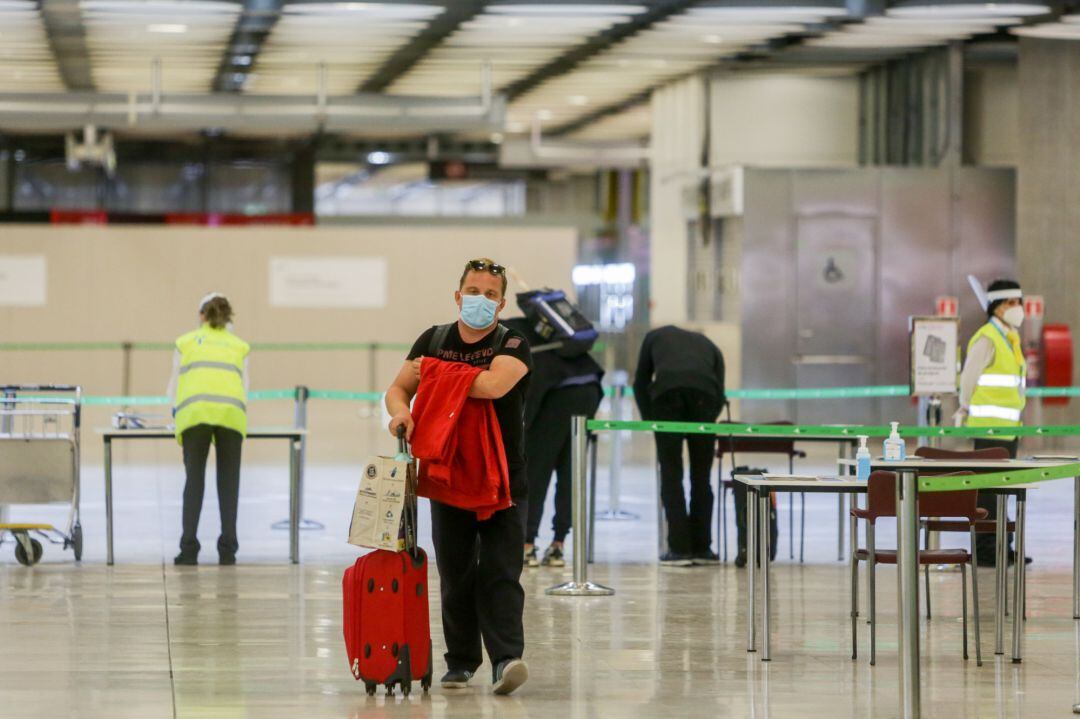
pixel 409 514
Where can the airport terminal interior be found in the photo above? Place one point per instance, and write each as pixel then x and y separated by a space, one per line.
pixel 730 343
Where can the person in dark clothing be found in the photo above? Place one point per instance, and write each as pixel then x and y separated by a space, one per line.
pixel 680 378
pixel 559 388
pixel 479 562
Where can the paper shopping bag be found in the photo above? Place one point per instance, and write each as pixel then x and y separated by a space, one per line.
pixel 385 487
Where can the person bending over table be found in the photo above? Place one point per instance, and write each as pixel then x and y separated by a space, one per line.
pixel 208 389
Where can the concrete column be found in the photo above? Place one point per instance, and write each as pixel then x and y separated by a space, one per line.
pixel 1048 217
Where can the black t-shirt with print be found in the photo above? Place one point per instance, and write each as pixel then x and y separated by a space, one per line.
pixel 510 408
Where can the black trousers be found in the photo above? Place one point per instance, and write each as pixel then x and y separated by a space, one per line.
pixel 986 544
pixel 480 571
pixel 547 445
pixel 196 445
pixel 688 532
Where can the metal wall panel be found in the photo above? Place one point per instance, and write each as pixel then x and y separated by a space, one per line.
pixel 767 290
pixel 907 235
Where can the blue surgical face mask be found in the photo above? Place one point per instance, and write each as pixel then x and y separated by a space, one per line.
pixel 478 311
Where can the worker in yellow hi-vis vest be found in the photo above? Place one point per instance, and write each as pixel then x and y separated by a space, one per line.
pixel 992 386
pixel 208 388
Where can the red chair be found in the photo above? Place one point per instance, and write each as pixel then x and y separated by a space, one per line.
pixel 881 502
pixel 760 445
pixel 985 526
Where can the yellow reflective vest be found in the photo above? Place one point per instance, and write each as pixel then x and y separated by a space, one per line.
pixel 998 400
pixel 211 383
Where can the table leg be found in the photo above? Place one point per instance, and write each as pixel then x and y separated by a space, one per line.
pixel 1076 548
pixel 1019 578
pixel 751 566
pixel 294 501
pixel 108 503
pixel 845 451
pixel 999 574
pixel 765 524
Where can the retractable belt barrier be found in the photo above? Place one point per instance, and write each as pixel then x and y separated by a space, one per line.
pixel 998 479
pixel 889 390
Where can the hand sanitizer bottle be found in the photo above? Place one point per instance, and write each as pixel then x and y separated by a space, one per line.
pixel 895 450
pixel 862 460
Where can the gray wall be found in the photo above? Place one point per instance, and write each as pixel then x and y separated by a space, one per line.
pixel 1049 177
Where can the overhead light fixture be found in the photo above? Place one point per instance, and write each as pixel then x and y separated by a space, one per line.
pixel 578 100
pixel 379 158
pixel 564 9
pixel 966 10
pixel 166 28
pixel 713 39
pixel 242 60
pixel 545 114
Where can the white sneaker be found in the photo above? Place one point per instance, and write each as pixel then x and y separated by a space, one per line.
pixel 509 675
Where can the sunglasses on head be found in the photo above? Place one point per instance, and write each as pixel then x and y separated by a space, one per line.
pixel 485 266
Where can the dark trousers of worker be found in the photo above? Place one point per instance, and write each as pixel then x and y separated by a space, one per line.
pixel 688 532
pixel 480 571
pixel 547 445
pixel 986 543
pixel 196 443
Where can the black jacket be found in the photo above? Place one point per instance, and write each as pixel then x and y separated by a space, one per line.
pixel 550 371
pixel 673 358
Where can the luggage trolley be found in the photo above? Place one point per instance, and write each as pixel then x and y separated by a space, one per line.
pixel 39 462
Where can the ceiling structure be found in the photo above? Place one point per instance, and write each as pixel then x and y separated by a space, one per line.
pixel 580 67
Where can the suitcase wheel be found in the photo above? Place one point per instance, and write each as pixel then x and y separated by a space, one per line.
pixel 406 689
pixel 425 684
pixel 389 690
pixel 370 688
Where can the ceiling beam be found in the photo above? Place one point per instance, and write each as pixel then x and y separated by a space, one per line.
pixel 457 13
pixel 570 60
pixel 67 38
pixel 257 19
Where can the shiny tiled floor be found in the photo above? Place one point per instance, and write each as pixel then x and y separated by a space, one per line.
pixel 263 639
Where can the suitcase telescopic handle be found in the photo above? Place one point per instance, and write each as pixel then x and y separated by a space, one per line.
pixel 403 446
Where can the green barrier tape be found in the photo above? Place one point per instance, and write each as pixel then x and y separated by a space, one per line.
pixel 348 396
pixel 125 401
pixel 272 394
pixel 1053 391
pixel 839 431
pixel 899 390
pixel 998 479
pixel 57 346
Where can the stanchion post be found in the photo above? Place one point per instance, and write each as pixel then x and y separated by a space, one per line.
pixel 1076 548
pixel 618 394
pixel 580 586
pixel 907 546
pixel 373 370
pixel 300 400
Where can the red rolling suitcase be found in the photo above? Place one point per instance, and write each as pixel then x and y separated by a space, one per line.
pixel 386 624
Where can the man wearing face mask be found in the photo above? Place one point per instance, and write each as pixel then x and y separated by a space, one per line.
pixel 992 387
pixel 479 562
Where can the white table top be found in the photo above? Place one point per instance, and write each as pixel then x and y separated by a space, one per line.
pixel 796 483
pixel 255 433
pixel 921 463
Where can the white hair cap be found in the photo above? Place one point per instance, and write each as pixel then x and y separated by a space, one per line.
pixel 206 300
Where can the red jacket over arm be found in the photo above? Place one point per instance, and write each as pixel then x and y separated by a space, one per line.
pixel 458 441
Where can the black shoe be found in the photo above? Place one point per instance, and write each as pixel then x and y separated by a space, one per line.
pixel 226 560
pixel 456 679
pixel 186 560
pixel 553 557
pixel 509 675
pixel 740 559
pixel 674 559
pixel 706 557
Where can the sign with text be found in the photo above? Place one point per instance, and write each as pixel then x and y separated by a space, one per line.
pixel 329 282
pixel 947 306
pixel 23 280
pixel 935 355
